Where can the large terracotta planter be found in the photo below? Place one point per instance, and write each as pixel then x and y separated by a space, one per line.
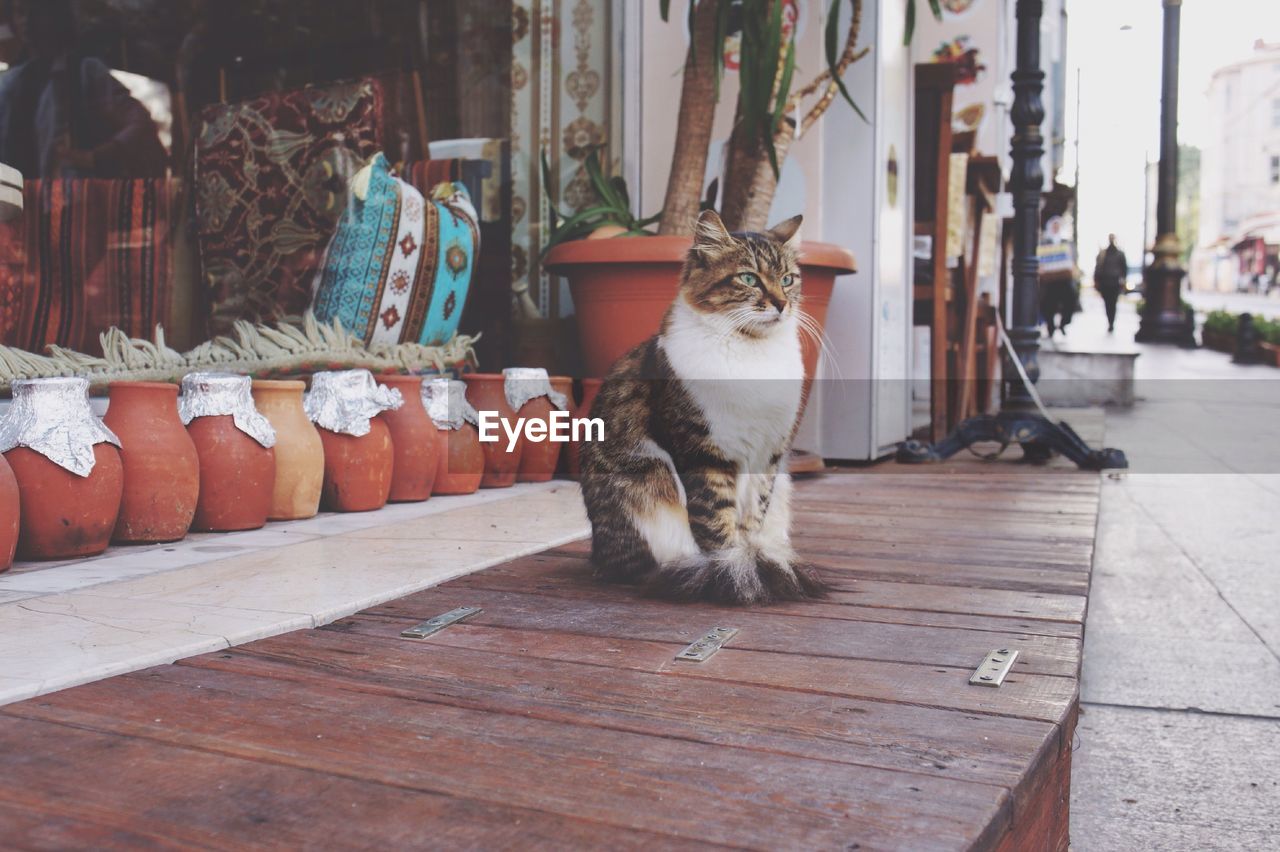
pixel 590 389
pixel 234 443
pixel 563 385
pixel 461 459
pixel 299 452
pixel 487 392
pixel 414 442
pixel 530 389
pixel 10 511
pixel 359 458
pixel 621 288
pixel 67 467
pixel 161 467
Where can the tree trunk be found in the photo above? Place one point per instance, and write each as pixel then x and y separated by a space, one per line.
pixel 693 127
pixel 749 182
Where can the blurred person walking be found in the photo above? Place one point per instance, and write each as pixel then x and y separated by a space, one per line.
pixel 1109 273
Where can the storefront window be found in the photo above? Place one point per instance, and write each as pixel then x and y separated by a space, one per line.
pixel 190 163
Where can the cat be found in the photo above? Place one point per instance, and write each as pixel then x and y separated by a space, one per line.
pixel 688 493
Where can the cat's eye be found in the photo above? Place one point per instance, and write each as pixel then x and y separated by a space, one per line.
pixel 788 280
pixel 748 278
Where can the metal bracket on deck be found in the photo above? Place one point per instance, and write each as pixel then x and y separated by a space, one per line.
pixel 440 622
pixel 993 668
pixel 707 645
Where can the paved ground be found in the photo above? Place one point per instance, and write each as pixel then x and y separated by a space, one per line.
pixel 1178 745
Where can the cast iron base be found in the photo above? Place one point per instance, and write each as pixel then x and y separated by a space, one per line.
pixel 1038 437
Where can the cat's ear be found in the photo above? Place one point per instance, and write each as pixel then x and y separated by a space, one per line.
pixel 710 232
pixel 786 230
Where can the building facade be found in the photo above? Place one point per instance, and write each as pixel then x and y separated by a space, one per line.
pixel 1240 176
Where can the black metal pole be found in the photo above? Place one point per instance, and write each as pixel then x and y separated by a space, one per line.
pixel 1026 182
pixel 1163 320
pixel 1167 191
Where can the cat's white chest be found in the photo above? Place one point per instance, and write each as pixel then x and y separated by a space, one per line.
pixel 747 388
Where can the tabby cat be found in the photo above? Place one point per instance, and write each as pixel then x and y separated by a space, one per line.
pixel 688 492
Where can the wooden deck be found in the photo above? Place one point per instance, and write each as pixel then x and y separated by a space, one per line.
pixel 558 717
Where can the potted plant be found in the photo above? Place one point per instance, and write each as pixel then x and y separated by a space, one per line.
pixel 1219 331
pixel 622 287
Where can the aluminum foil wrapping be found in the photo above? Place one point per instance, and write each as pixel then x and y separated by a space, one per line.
pixel 446 402
pixel 215 394
pixel 522 384
pixel 53 418
pixel 344 401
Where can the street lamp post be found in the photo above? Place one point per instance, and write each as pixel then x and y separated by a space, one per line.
pixel 1020 421
pixel 1163 320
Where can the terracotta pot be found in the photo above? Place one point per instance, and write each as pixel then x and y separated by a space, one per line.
pixel 237 476
pixel 590 389
pixel 414 441
pixel 299 452
pixel 10 510
pixel 461 461
pixel 357 470
pixel 64 515
pixel 486 391
pixel 161 468
pixel 621 288
pixel 564 385
pixel 538 459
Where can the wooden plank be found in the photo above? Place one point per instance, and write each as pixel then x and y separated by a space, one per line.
pixel 649 620
pixel 1007 611
pixel 1023 696
pixel 198 798
pixel 1048 580
pixel 946 743
pixel 684 789
pixel 851 598
pixel 24 826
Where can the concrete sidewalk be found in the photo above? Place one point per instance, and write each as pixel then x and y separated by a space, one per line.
pixel 1178 745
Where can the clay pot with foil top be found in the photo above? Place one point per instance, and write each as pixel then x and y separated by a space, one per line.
pixel 299 452
pixel 359 458
pixel 235 445
pixel 67 467
pixel 461 458
pixel 161 467
pixel 487 394
pixel 529 392
pixel 10 511
pixel 413 440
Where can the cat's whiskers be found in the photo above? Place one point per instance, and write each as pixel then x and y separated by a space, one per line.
pixel 810 327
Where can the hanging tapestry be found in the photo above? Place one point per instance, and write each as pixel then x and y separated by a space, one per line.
pixel 85 255
pixel 270 183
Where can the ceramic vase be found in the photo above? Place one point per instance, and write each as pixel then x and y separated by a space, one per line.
pixel 161 468
pixel 530 389
pixel 9 515
pixel 234 443
pixel 413 440
pixel 461 459
pixel 590 388
pixel 69 475
pixel 299 450
pixel 487 393
pixel 359 458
